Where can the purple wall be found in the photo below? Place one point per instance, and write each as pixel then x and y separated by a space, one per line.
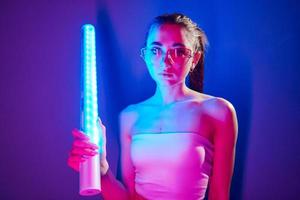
pixel 251 61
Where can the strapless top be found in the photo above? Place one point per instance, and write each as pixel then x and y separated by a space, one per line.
pixel 171 165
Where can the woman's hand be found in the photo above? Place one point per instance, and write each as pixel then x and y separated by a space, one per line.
pixel 82 149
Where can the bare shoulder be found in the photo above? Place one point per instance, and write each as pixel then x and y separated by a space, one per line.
pixel 127 118
pixel 223 115
pixel 219 108
pixel 131 113
pixel 129 110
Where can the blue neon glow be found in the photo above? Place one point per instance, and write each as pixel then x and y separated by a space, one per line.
pixel 89 110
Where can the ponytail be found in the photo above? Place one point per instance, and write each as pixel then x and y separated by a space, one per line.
pixel 196 77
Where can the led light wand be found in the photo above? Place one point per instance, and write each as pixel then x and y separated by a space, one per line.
pixel 89 171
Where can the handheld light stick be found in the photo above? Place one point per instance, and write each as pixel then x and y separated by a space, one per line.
pixel 89 171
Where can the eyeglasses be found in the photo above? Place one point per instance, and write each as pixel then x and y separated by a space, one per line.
pixel 178 55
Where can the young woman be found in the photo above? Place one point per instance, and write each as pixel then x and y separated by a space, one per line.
pixel 179 141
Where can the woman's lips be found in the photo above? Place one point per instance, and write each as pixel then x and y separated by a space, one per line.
pixel 166 74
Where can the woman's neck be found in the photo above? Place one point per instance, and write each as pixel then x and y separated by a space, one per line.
pixel 171 93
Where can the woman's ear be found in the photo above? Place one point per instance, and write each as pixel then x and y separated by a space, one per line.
pixel 196 57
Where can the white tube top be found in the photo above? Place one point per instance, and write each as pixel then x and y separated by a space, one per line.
pixel 171 165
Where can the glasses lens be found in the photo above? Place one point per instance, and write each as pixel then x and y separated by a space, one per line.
pixel 180 55
pixel 152 55
pixel 155 54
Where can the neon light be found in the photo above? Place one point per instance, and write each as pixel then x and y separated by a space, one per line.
pixel 89 170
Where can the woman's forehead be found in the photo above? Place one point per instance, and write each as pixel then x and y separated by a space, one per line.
pixel 169 34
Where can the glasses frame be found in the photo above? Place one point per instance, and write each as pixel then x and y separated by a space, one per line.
pixel 142 53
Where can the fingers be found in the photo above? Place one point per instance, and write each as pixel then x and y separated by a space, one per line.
pixel 74 162
pixel 73 165
pixel 83 152
pixel 82 148
pixel 77 134
pixel 103 131
pixel 79 155
pixel 99 120
pixel 84 144
pixel 81 144
pixel 82 140
pixel 101 125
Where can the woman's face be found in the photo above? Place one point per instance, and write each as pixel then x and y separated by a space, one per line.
pixel 169 54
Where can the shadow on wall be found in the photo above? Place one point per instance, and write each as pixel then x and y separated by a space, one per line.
pixel 110 92
pixel 233 81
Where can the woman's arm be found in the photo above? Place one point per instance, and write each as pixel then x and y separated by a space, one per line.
pixel 111 187
pixel 225 137
pixel 127 118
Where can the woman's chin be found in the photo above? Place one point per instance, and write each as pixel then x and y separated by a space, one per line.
pixel 167 82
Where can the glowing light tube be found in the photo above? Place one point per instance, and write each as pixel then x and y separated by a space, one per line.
pixel 89 171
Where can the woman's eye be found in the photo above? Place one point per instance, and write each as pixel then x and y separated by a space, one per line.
pixel 155 51
pixel 180 52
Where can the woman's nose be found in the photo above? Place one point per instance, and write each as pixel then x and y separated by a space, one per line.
pixel 167 59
